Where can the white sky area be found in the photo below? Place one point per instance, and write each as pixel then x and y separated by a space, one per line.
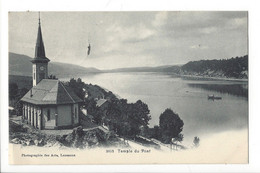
pixel 131 39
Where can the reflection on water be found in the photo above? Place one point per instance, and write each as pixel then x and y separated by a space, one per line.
pixel 188 98
pixel 233 89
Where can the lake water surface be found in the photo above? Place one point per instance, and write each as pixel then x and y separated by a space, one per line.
pixel 188 98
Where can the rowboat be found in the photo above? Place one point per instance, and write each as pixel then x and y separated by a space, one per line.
pixel 212 97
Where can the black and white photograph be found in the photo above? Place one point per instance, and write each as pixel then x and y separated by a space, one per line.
pixel 160 86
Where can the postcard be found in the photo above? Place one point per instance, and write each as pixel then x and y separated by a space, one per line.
pixel 135 87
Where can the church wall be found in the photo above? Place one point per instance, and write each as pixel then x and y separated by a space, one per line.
pixel 35 117
pixel 51 123
pixel 25 111
pixel 76 113
pixel 64 115
pixel 39 115
pixel 28 113
pixel 60 116
pixel 31 115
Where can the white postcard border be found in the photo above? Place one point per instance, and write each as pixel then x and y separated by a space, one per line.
pixel 134 5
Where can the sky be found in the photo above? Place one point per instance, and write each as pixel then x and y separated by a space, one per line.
pixel 131 39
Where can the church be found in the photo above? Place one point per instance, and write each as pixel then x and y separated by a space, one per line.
pixel 49 104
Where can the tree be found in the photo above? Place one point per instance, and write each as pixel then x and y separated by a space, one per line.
pixel 138 116
pixel 142 113
pixel 77 86
pixel 22 92
pixel 13 90
pixel 18 105
pixel 113 116
pixel 93 110
pixel 52 77
pixel 127 119
pixel 196 141
pixel 18 108
pixel 171 125
pixel 177 139
pixel 156 132
pixel 15 95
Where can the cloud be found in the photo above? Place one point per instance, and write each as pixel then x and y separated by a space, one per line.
pixel 123 33
pixel 237 23
pixel 199 47
pixel 208 30
pixel 119 36
pixel 131 38
pixel 160 18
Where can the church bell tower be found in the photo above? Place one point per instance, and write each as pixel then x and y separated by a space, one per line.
pixel 40 61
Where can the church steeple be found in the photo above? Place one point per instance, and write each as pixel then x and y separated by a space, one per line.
pixel 40 61
pixel 39 47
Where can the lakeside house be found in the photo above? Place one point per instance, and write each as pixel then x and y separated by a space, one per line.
pixel 49 104
pixel 102 103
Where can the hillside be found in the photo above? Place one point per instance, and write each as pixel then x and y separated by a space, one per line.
pixel 166 69
pixel 21 65
pixel 227 68
pixel 235 68
pixel 224 68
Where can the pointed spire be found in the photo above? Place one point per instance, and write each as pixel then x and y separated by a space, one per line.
pixel 39 19
pixel 39 48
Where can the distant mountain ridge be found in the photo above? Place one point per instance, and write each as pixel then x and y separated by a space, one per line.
pixel 166 69
pixel 21 65
pixel 223 68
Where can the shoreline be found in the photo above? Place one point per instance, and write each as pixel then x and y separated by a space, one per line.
pixel 211 78
pixel 184 76
pixel 194 77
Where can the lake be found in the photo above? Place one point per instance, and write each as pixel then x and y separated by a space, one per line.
pixel 188 98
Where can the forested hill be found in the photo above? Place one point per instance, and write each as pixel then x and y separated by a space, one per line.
pixel 225 68
pixel 230 68
pixel 21 65
pixel 165 68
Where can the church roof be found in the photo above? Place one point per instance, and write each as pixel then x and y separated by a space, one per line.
pixel 39 48
pixel 50 91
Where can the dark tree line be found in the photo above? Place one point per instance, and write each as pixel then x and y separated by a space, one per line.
pixel 230 67
pixel 52 77
pixel 131 119
pixel 15 94
pixel 78 87
pixel 126 119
